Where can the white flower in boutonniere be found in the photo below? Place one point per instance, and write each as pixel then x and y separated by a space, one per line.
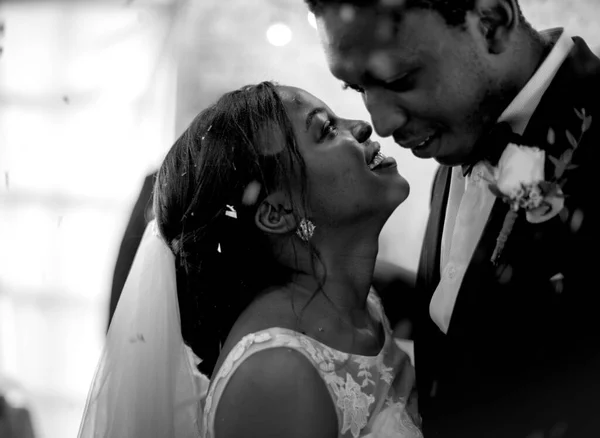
pixel 519 180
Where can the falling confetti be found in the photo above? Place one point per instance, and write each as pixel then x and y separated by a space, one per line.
pixel 392 3
pixel 551 136
pixel 137 338
pixel 505 274
pixel 576 220
pixel 251 193
pixel 231 212
pixel 385 30
pixel 381 65
pixel 347 13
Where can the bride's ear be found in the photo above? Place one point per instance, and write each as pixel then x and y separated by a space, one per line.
pixel 274 215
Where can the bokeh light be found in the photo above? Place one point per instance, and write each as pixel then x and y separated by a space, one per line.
pixel 279 34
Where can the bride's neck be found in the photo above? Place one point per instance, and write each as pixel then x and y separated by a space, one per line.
pixel 343 272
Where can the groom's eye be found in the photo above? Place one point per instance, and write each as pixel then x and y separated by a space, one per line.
pixel 347 86
pixel 402 84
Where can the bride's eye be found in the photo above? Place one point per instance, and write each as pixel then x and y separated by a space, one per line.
pixel 329 128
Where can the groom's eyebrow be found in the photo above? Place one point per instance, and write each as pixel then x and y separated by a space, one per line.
pixel 311 115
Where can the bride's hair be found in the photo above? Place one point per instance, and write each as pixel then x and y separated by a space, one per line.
pixel 244 141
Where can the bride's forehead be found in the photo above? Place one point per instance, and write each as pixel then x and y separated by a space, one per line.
pixel 298 98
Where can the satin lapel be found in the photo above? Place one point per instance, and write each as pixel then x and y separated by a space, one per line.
pixel 429 264
pixel 569 91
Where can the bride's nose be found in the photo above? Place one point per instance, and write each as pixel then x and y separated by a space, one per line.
pixel 362 131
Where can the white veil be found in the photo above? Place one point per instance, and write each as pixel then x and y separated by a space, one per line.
pixel 146 384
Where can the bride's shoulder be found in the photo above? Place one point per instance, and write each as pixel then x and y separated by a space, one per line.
pixel 256 399
pixel 257 378
pixel 266 312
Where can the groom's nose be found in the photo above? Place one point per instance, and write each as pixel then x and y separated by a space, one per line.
pixel 386 114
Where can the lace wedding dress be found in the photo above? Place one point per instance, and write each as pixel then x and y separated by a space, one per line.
pixel 373 399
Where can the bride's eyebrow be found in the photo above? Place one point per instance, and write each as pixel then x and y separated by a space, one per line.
pixel 311 115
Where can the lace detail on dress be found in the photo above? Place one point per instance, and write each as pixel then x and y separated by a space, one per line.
pixel 394 422
pixel 366 390
pixel 354 404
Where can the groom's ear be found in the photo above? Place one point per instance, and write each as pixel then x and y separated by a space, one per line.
pixel 274 215
pixel 498 21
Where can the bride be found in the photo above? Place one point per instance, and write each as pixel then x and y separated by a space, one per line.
pixel 260 262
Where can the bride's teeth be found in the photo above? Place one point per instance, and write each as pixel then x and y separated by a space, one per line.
pixel 423 142
pixel 379 157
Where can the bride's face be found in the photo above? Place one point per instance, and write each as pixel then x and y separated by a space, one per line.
pixel 342 188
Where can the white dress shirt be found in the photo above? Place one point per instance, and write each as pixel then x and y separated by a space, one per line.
pixel 470 201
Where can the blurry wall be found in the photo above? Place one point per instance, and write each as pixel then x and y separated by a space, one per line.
pixel 92 93
pixel 86 107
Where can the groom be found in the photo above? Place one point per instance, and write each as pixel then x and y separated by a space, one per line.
pixel 507 331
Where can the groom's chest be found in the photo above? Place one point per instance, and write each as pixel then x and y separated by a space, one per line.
pixel 525 288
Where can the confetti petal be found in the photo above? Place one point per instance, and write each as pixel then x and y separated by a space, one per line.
pixel 251 193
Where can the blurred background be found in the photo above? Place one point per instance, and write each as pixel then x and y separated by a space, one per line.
pixel 92 94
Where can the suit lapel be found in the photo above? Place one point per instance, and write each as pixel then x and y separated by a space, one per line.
pixel 429 264
pixel 568 90
pixel 576 78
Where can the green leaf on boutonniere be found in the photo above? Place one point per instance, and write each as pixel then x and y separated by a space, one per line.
pixel 551 138
pixel 559 168
pixel 566 157
pixel 571 139
pixel 580 114
pixel 587 122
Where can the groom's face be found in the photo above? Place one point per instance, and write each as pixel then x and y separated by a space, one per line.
pixel 427 84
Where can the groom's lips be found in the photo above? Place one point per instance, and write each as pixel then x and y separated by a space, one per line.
pixel 416 144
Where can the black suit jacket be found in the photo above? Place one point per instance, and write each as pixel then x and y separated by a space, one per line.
pixel 522 352
pixel 141 215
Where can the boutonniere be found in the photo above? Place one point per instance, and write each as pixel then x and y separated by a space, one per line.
pixel 519 181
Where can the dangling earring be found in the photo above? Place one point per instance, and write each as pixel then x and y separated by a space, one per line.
pixel 305 230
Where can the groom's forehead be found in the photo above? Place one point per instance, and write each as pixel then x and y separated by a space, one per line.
pixel 348 32
pixel 367 34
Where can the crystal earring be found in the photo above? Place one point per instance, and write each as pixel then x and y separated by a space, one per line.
pixel 305 230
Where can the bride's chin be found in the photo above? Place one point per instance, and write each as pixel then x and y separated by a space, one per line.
pixel 398 193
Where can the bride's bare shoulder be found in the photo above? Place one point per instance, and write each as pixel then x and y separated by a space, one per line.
pixel 273 393
pixel 271 309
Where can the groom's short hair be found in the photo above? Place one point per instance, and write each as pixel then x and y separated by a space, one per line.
pixel 454 12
